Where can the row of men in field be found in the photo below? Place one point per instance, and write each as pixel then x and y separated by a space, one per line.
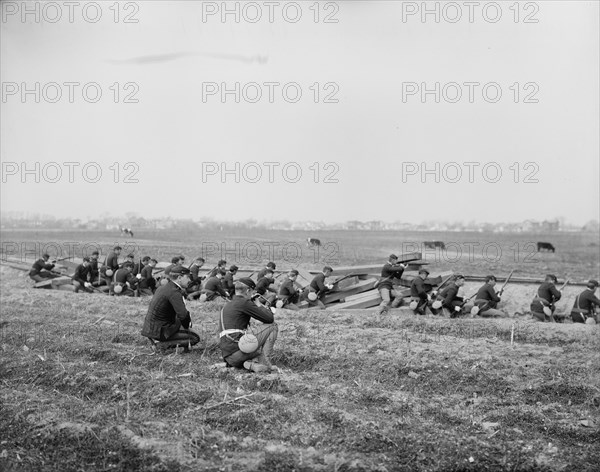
pixel 249 345
pixel 130 278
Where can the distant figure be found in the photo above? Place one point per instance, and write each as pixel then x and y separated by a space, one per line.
pixel 434 244
pixel 545 246
pixel 311 242
pixel 127 231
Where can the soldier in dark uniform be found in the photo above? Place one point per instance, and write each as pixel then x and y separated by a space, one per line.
pixel 111 265
pixel 139 266
pixel 234 321
pixel 448 298
pixel 289 292
pixel 390 272
pixel 270 266
pixel 487 298
pixel 219 268
pixel 124 282
pixel 265 284
pixel 586 304
pixel 543 305
pixel 40 270
pixel 168 321
pixel 318 288
pixel 214 288
pixel 82 274
pixel 418 292
pixel 147 283
pixel 194 289
pixel 227 281
pixel 95 278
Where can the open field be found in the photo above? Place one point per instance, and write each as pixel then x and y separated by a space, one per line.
pixel 577 254
pixel 80 389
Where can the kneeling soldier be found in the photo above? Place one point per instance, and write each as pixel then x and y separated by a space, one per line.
pixel 168 321
pixel 542 307
pixel 289 292
pixel 40 270
pixel 80 278
pixel 124 282
pixel 487 298
pixel 318 288
pixel 448 299
pixel 585 304
pixel 234 321
pixel 418 293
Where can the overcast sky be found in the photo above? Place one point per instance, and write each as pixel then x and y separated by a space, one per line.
pixel 367 142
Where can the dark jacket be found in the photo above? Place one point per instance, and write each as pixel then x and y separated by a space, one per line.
pixel 389 272
pixel 417 289
pixel 487 293
pixel 195 277
pixel 236 315
pixel 449 296
pixel 38 265
pixel 214 285
pixel 167 313
pixel 288 291
pixel 94 269
pixel 147 278
pixel 318 284
pixel 81 273
pixel 112 261
pixel 227 283
pixel 586 301
pixel 263 284
pixel 549 292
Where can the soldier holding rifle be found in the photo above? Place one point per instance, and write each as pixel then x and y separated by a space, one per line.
pixel 486 299
pixel 390 271
pixel 41 269
pixel 447 299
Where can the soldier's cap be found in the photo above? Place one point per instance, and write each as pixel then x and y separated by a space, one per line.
pixel 423 271
pixel 294 272
pixel 95 253
pixel 86 259
pixel 233 268
pixel 130 256
pixel 175 260
pixel 459 276
pixel 154 260
pixel 551 276
pixel 220 272
pixel 128 264
pixel 593 284
pixel 117 248
pixel 222 262
pixel 45 255
pixel 200 259
pixel 393 256
pixel 179 270
pixel 327 268
pixel 247 282
pixel 146 259
pixel 271 265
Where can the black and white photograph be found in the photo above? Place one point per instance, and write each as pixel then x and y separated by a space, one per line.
pixel 296 236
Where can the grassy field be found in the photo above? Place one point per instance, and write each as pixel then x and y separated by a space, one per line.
pixel 81 390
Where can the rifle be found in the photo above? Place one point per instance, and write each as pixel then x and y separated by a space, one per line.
pixel 379 282
pixel 343 278
pixel 444 282
pixel 564 285
pixel 499 293
pixel 61 259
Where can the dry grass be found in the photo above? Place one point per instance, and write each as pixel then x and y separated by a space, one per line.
pixel 355 391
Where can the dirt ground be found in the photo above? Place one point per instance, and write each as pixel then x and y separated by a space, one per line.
pixel 81 390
